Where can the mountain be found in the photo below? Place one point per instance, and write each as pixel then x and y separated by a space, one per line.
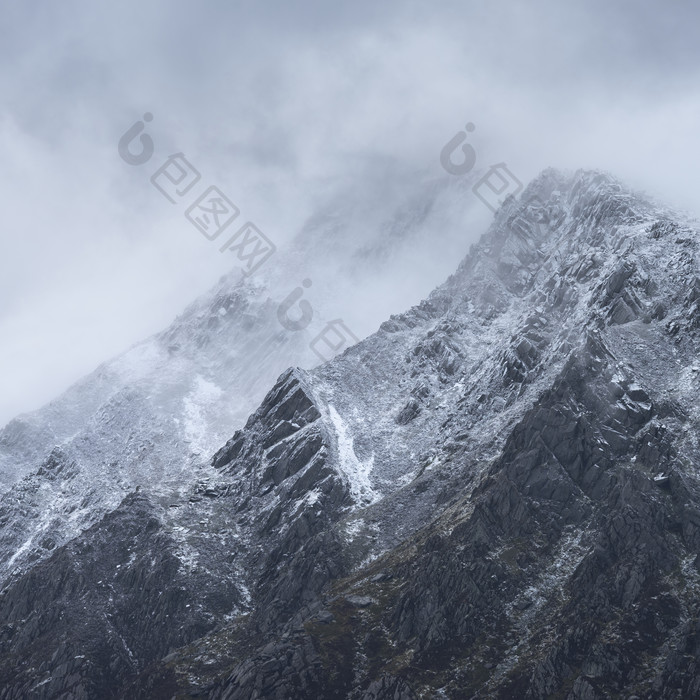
pixel 494 495
pixel 152 417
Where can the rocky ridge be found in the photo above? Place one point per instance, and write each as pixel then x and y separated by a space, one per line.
pixel 496 495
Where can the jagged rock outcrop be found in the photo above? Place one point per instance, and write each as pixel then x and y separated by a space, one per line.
pixel 108 603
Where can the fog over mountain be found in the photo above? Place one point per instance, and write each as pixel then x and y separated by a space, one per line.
pixel 349 352
pixel 289 109
pixel 494 495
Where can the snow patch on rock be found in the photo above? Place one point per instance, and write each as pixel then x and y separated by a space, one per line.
pixel 355 472
pixel 197 403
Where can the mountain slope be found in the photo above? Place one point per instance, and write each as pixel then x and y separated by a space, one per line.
pixel 153 417
pixel 496 495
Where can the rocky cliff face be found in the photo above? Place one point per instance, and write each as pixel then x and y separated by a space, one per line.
pixel 496 495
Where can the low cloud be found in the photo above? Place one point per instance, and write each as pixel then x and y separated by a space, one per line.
pixel 289 107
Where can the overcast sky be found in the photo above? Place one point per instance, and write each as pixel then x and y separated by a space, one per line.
pixel 272 101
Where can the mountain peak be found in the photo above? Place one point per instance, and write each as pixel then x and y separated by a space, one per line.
pixel 495 495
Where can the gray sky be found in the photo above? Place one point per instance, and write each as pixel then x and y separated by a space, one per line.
pixel 271 101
